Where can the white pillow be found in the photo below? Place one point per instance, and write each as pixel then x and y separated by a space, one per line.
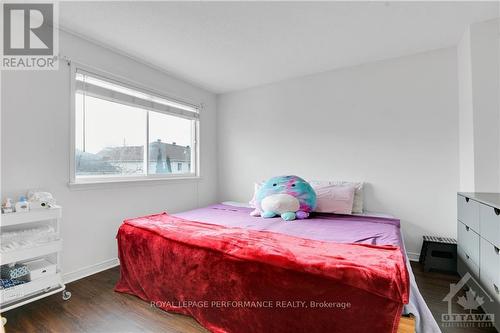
pixel 334 199
pixel 357 206
pixel 253 201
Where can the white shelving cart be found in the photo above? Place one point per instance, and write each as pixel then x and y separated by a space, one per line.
pixel 44 286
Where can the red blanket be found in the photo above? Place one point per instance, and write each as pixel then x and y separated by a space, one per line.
pixel 239 280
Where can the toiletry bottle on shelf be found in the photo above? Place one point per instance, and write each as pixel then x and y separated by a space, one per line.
pixel 7 206
pixel 22 205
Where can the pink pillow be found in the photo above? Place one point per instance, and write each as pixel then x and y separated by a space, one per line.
pixel 334 199
pixel 357 205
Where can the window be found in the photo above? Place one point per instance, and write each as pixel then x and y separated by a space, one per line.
pixel 125 132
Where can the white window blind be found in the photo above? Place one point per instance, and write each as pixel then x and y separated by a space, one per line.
pixel 93 85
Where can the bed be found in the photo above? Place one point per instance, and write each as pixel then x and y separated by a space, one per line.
pixel 237 273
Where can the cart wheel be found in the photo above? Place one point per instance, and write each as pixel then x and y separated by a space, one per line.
pixel 4 321
pixel 66 295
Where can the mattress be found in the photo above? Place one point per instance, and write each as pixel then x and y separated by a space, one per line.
pixel 366 228
pixel 222 251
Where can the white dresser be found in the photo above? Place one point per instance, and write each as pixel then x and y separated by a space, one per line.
pixel 479 242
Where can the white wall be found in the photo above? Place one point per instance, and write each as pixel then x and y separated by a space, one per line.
pixel 35 154
pixel 485 60
pixel 466 116
pixel 392 124
pixel 479 104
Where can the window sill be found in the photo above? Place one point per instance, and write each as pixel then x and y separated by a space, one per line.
pixel 120 182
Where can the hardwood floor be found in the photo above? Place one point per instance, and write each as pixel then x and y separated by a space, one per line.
pixel 95 307
pixel 434 286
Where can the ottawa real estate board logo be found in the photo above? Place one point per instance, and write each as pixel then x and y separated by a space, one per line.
pixel 30 36
pixel 470 296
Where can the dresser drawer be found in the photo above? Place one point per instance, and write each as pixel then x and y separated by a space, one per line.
pixel 490 267
pixel 465 264
pixel 489 219
pixel 468 212
pixel 468 240
pixel 493 308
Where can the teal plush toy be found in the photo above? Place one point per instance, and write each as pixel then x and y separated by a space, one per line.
pixel 290 197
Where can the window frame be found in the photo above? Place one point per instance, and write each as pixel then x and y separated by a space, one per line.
pixel 147 177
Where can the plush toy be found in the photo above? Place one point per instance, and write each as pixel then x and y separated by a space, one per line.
pixel 290 197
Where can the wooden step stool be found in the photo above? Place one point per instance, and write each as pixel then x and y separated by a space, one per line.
pixel 439 253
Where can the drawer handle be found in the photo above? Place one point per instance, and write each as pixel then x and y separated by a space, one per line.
pixel 467 199
pixel 467 228
pixel 497 250
pixel 496 288
pixel 497 211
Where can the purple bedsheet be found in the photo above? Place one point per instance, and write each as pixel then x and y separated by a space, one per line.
pixel 323 227
pixel 326 227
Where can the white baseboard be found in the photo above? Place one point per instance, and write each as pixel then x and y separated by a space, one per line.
pixel 413 256
pixel 89 270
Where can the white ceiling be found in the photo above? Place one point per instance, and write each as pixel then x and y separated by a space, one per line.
pixel 226 46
